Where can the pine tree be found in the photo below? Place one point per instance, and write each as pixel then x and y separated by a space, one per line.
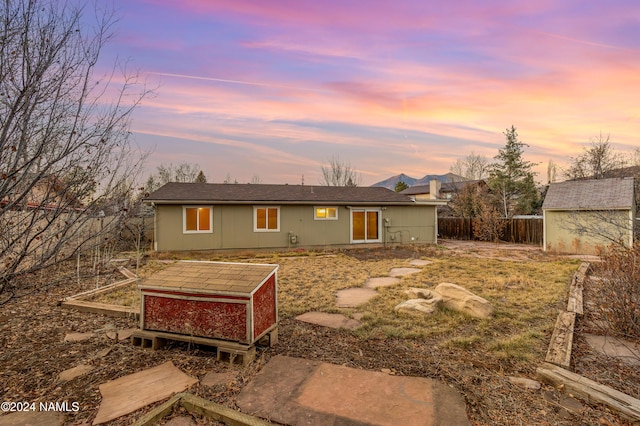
pixel 511 177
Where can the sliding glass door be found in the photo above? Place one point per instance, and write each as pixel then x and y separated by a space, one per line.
pixel 365 225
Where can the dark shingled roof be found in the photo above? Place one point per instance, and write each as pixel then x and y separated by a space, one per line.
pixel 285 194
pixel 592 194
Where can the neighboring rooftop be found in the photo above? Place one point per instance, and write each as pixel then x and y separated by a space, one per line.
pixel 444 188
pixel 592 194
pixel 283 194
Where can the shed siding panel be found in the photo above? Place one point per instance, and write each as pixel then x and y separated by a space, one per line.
pixel 561 235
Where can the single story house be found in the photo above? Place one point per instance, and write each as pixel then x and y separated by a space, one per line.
pixel 208 216
pixel 583 216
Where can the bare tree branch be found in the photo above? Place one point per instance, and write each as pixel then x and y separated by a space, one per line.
pixel 65 153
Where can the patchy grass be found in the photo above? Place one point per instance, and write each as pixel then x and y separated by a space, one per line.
pixel 526 296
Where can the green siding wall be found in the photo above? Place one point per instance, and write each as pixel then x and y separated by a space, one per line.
pixel 233 228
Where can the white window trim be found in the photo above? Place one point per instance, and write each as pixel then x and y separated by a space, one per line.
pixel 315 209
pixel 184 220
pixel 365 210
pixel 255 219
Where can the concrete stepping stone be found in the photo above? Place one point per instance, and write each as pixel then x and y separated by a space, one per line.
pixel 614 347
pixel 381 282
pixel 72 373
pixel 78 337
pixel 329 320
pixel 420 262
pixel 213 379
pixel 130 393
pixel 352 297
pixel 297 391
pixel 401 272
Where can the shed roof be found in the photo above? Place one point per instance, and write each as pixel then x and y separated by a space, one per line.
pixel 592 194
pixel 174 192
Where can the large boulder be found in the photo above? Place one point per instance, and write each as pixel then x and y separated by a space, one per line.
pixel 422 302
pixel 460 299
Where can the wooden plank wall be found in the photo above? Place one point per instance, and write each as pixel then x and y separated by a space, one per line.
pixel 523 231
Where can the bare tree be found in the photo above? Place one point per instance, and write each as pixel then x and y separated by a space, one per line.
pixel 596 162
pixel 165 173
pixel 65 156
pixel 339 173
pixel 255 179
pixel 472 167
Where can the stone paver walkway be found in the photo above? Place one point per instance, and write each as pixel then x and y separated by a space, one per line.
pixel 356 296
pixel 296 392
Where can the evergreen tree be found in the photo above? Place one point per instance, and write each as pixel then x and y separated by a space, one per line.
pixel 400 186
pixel 511 177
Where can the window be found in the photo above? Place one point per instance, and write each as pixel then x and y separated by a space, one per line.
pixel 325 213
pixel 266 219
pixel 197 219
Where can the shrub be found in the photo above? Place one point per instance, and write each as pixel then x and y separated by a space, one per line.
pixel 619 290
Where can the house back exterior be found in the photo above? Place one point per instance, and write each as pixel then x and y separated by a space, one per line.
pixel 200 216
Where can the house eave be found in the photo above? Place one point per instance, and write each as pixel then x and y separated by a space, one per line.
pixel 280 202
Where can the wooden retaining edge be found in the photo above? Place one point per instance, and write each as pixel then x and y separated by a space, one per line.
pixel 561 343
pixel 203 407
pixel 591 391
pixel 101 308
pixel 100 290
pixel 559 351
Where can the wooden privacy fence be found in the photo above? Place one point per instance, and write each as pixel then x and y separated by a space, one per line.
pixel 523 231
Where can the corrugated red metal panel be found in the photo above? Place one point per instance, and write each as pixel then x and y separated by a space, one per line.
pixel 205 318
pixel 264 307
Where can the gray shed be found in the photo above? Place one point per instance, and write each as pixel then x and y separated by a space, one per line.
pixel 584 216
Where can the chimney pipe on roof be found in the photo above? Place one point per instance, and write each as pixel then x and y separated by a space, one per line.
pixel 434 189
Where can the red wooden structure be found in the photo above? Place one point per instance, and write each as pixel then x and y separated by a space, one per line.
pixel 217 300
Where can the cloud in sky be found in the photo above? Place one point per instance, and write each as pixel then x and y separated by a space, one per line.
pixel 277 88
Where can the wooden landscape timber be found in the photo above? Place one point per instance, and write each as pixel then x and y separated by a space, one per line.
pixel 79 302
pixel 559 351
pixel 591 391
pixel 208 409
pixel 559 355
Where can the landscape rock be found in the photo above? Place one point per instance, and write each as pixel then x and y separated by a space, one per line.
pixel 420 262
pixel 525 383
pixel 417 307
pixel 423 293
pixel 460 299
pixel 72 373
pixel 213 379
pixel 126 333
pixel 77 337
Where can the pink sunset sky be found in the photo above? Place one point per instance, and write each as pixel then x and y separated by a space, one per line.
pixel 275 89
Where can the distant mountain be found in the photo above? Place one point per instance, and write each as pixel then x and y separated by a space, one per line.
pixel 391 182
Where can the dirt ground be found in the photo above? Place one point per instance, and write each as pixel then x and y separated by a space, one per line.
pixel 33 353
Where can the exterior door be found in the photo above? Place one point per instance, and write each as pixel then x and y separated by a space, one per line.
pixel 365 225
